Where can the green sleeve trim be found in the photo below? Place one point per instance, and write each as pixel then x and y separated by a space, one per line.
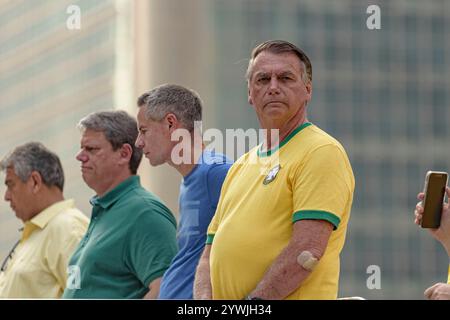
pixel 317 215
pixel 209 239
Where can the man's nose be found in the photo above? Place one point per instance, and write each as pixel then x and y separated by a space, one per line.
pixel 7 196
pixel 274 86
pixel 81 156
pixel 139 142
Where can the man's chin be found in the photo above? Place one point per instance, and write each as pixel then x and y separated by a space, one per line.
pixel 154 163
pixel 87 180
pixel 275 113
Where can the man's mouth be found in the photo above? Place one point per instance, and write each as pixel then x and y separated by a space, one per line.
pixel 273 102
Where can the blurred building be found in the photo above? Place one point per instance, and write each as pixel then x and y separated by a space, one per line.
pixel 382 93
pixel 52 76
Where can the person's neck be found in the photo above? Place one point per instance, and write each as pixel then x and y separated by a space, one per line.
pixel 284 130
pixel 47 199
pixel 195 152
pixel 121 177
pixel 54 197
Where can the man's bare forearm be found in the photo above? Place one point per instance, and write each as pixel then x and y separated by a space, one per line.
pixel 285 275
pixel 153 289
pixel 202 283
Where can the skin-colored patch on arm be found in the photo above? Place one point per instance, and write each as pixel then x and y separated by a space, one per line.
pixel 307 260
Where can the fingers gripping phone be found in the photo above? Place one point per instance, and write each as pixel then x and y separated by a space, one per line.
pixel 435 183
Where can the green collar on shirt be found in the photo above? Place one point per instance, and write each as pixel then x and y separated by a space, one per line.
pixel 286 140
pixel 115 194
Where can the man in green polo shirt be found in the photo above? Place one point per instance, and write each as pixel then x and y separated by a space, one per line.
pixel 131 238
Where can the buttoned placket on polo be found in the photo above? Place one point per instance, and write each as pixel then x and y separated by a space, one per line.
pixel 97 211
pixel 100 205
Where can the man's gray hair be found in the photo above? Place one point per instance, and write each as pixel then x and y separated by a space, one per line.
pixel 119 128
pixel 184 103
pixel 34 156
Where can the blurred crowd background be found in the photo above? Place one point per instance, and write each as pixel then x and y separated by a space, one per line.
pixel 383 93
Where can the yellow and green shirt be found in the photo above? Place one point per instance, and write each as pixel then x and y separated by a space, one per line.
pixel 448 278
pixel 308 177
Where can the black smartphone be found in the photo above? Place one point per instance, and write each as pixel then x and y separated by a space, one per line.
pixel 435 183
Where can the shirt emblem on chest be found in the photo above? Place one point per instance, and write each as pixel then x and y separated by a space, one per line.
pixel 272 174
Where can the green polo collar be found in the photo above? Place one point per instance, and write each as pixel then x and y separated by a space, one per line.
pixel 115 194
pixel 286 140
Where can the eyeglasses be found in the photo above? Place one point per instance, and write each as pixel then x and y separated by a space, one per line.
pixel 9 257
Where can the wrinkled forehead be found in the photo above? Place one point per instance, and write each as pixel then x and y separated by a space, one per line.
pixel 10 174
pixel 141 114
pixel 93 136
pixel 145 122
pixel 142 119
pixel 267 62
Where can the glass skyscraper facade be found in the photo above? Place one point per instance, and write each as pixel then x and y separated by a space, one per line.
pixel 50 77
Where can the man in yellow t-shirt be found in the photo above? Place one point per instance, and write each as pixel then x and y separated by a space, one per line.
pixel 37 266
pixel 439 291
pixel 282 216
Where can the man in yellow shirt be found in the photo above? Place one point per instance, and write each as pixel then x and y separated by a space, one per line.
pixel 439 291
pixel 282 216
pixel 37 265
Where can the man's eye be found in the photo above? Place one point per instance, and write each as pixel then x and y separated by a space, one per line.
pixel 263 79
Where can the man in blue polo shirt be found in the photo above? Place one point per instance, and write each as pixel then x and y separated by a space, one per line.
pixel 172 111
pixel 131 238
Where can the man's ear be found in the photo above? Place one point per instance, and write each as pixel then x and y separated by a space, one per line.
pixel 35 181
pixel 171 121
pixel 250 101
pixel 126 151
pixel 309 90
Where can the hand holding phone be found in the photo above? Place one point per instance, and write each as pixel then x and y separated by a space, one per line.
pixel 435 183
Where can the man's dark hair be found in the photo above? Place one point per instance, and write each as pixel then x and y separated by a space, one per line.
pixel 119 128
pixel 279 47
